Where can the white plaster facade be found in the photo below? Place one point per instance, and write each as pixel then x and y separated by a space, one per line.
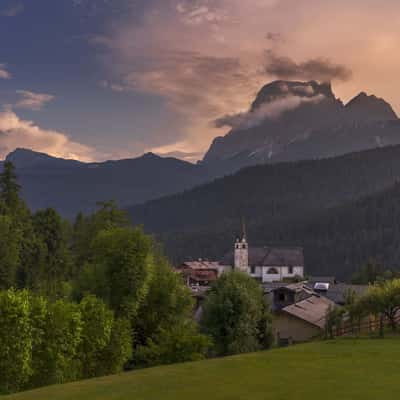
pixel 271 272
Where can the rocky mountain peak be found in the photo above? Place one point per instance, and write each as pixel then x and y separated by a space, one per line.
pixel 280 89
pixel 370 108
pixel 292 120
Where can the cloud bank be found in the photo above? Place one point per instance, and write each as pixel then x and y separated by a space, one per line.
pixel 15 132
pixel 32 101
pixel 271 110
pixel 207 58
pixel 320 69
pixel 4 74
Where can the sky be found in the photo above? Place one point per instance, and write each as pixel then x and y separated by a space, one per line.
pixel 108 79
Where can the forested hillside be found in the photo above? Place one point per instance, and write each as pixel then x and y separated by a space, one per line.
pixel 307 203
pixel 339 241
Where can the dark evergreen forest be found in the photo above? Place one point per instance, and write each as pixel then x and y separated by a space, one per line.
pixel 343 210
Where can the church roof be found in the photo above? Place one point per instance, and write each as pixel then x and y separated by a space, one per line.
pixel 270 257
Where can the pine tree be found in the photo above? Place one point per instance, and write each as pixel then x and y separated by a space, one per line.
pixel 9 189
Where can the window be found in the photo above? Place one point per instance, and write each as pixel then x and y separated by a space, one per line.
pixel 282 297
pixel 291 269
pixel 272 271
pixel 253 269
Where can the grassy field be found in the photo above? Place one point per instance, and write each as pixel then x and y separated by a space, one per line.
pixel 345 369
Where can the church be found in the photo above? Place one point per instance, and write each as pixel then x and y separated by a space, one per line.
pixel 265 264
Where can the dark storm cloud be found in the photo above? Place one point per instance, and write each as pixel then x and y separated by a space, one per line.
pixel 320 69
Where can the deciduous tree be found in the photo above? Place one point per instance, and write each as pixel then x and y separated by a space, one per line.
pixel 15 340
pixel 384 299
pixel 121 269
pixel 164 328
pixel 233 312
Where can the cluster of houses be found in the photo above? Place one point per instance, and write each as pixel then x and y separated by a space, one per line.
pixel 299 305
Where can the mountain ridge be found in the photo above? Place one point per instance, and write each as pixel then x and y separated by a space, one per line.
pixel 71 186
pixel 303 121
pixel 287 113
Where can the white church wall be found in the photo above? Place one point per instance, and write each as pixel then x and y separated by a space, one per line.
pixel 282 273
pixel 292 271
pixel 298 271
pixel 267 277
pixel 256 272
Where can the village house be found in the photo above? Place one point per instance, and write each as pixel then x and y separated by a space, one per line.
pixel 300 309
pixel 201 273
pixel 301 321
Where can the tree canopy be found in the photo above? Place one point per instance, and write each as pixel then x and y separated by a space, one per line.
pixel 235 315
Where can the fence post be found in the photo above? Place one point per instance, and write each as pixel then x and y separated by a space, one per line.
pixel 381 326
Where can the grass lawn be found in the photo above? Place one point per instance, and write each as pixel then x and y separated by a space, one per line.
pixel 346 369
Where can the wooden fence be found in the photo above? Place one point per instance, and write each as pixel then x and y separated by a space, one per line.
pixel 367 326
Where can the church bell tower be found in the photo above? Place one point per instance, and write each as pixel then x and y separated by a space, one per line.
pixel 241 262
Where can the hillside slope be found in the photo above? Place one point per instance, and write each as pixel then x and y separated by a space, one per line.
pixel 339 240
pixel 345 369
pixel 274 200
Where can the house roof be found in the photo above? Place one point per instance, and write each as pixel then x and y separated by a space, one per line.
pixel 299 287
pixel 200 264
pixel 293 287
pixel 338 292
pixel 271 286
pixel 271 256
pixel 312 310
pixel 200 276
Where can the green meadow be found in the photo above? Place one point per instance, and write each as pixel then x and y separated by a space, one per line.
pixel 343 369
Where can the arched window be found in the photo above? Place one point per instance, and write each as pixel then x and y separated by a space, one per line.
pixel 273 271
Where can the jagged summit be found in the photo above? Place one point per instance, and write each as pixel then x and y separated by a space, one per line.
pixel 280 89
pixel 293 120
pixel 370 107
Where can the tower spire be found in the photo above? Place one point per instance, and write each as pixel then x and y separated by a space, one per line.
pixel 244 233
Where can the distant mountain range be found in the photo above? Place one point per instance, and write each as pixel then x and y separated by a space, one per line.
pixel 72 186
pixel 315 204
pixel 288 121
pixel 291 121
